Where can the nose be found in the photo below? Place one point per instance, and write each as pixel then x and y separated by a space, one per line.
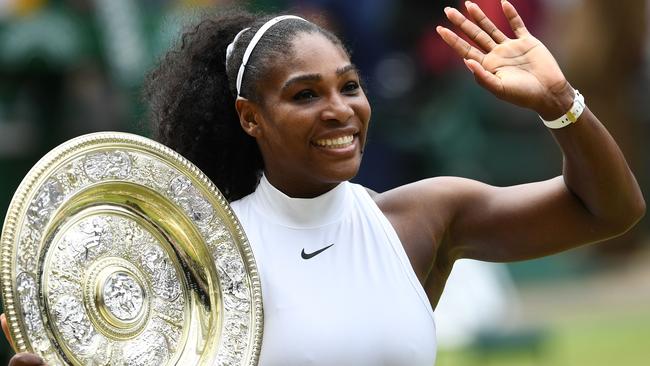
pixel 337 109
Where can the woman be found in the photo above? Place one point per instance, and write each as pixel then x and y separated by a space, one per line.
pixel 350 276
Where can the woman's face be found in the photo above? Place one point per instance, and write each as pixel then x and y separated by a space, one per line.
pixel 312 123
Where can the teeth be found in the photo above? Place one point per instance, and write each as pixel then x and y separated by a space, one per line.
pixel 342 141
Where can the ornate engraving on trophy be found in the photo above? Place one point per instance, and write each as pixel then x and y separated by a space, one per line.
pixel 72 322
pixel 101 269
pixel 103 284
pixel 114 164
pixel 190 199
pixel 165 281
pixel 45 202
pixel 123 296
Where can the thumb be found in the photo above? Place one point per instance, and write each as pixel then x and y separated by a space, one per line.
pixel 20 359
pixel 26 359
pixel 5 330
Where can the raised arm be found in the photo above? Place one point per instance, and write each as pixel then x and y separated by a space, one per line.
pixel 597 196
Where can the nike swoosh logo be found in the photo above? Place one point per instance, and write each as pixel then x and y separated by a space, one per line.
pixel 311 255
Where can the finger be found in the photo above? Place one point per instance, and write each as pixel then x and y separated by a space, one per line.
pixel 5 330
pixel 485 78
pixel 462 48
pixel 516 23
pixel 472 30
pixel 26 359
pixel 478 16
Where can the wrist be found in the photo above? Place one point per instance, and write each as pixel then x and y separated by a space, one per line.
pixel 558 104
pixel 571 116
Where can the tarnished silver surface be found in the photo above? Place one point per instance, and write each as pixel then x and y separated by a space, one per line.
pixel 116 250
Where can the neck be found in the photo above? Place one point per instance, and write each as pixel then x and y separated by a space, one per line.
pixel 301 212
pixel 298 189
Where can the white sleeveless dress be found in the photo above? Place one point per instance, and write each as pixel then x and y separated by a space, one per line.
pixel 337 286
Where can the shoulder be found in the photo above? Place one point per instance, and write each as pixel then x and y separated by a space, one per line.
pixel 446 194
pixel 370 192
pixel 424 212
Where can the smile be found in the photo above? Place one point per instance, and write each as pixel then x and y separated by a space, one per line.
pixel 337 143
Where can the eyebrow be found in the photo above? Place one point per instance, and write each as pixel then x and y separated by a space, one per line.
pixel 317 77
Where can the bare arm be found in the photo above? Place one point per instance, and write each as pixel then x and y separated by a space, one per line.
pixel 597 196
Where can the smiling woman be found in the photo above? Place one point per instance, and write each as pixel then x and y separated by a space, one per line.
pixel 312 124
pixel 194 89
pixel 272 110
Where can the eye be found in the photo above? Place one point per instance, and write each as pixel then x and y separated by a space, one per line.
pixel 305 95
pixel 351 87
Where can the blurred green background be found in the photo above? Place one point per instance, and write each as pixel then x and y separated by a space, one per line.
pixel 76 66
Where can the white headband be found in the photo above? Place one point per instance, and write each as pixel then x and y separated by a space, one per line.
pixel 251 46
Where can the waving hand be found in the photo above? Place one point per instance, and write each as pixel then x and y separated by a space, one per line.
pixel 520 70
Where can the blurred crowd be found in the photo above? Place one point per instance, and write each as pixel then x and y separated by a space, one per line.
pixel 69 67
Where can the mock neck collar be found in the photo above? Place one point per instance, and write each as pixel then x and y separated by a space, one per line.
pixel 301 212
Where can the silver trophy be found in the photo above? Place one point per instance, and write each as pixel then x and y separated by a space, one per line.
pixel 118 251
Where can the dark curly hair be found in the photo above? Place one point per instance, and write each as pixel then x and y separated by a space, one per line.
pixel 191 94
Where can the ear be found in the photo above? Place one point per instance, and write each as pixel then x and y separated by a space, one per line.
pixel 248 116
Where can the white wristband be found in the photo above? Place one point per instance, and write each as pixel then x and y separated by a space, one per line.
pixel 571 116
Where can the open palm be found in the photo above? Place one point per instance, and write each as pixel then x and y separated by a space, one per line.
pixel 520 70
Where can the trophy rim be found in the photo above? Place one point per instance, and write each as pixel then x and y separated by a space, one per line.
pixel 38 175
